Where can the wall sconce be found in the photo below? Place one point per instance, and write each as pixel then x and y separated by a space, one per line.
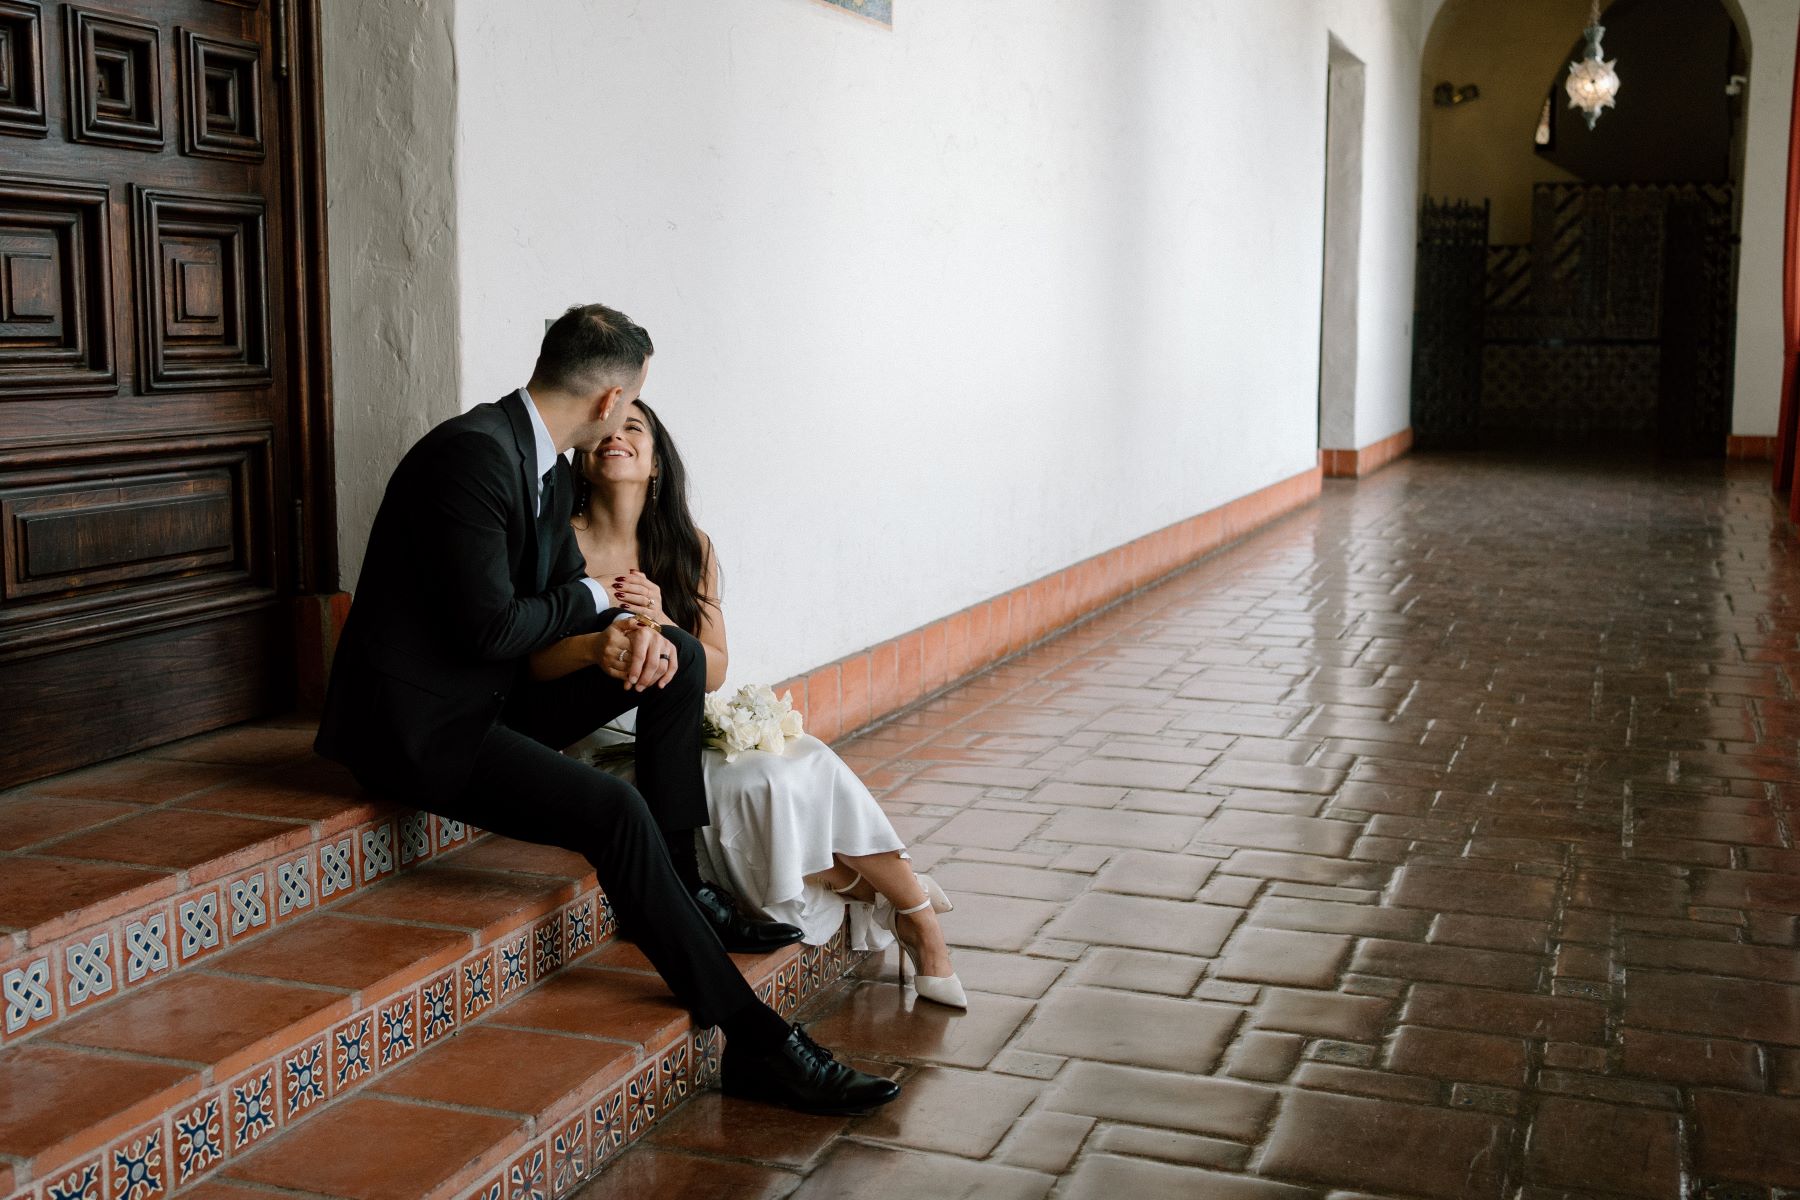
pixel 1448 95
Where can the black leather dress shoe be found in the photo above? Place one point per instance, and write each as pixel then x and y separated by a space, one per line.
pixel 801 1074
pixel 741 934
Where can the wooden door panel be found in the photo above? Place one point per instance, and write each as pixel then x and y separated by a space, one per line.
pixel 145 481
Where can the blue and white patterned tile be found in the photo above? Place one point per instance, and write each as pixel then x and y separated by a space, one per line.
pixel 568 1155
pixel 546 947
pixel 706 1056
pixel 198 1138
pixel 437 1007
pixel 476 985
pixel 673 1079
pixel 255 1107
pixel 137 1166
pixel 606 921
pixel 528 1178
pixel 375 851
pixel 305 1079
pixel 513 963
pixel 295 888
pixel 397 1034
pixel 28 990
pixel 606 1124
pixel 247 904
pixel 90 968
pixel 415 838
pixel 640 1101
pixel 787 990
pixel 492 1189
pixel 578 928
pixel 449 833
pixel 352 1051
pixel 86 1180
pixel 146 946
pixel 337 868
pixel 199 926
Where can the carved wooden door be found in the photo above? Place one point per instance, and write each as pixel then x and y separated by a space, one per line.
pixel 145 503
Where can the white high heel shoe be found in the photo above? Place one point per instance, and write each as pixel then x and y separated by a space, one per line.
pixel 940 989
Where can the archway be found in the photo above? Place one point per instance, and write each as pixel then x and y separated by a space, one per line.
pixel 1582 286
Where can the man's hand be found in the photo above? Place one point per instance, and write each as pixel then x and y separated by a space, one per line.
pixel 638 656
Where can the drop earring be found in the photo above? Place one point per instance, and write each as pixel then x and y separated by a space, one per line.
pixel 653 487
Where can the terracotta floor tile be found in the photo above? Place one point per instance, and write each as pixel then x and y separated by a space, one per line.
pixel 881 1173
pixel 207 1019
pixel 53 896
pixel 1384 1146
pixel 712 1123
pixel 996 879
pixel 1274 831
pixel 1169 1100
pixel 248 745
pixel 1704 1004
pixel 1144 831
pixel 1605 1147
pixel 1704 1062
pixel 371 957
pixel 1166 1145
pixel 1146 873
pixel 1143 923
pixel 653 1171
pixel 1442 889
pixel 1323 1014
pixel 996 922
pixel 1285 957
pixel 481 902
pixel 1130 773
pixel 317 790
pixel 1735 1137
pixel 54 1094
pixel 1327 916
pixel 950 1112
pixel 1561 1018
pixel 1139 971
pixel 1126 1027
pixel 371 1148
pixel 1473 1057
pixel 1108 1177
pixel 206 845
pixel 622 1006
pixel 991 828
pixel 505 854
pixel 27 819
pixel 887 1021
pixel 137 780
pixel 482 1067
pixel 1446 964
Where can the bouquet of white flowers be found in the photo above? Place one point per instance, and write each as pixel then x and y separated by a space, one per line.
pixel 754 719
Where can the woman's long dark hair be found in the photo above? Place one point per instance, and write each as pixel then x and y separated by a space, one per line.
pixel 669 547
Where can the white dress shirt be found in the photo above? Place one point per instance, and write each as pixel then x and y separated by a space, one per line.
pixel 545 447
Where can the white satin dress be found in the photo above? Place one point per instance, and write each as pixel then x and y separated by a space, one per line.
pixel 777 818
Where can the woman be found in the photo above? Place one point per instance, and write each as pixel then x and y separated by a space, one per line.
pixel 795 834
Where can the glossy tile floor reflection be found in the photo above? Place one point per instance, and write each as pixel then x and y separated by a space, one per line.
pixel 1437 841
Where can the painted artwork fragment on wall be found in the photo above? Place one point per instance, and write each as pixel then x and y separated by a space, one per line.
pixel 881 11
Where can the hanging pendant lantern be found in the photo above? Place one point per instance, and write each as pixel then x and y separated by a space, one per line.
pixel 1592 81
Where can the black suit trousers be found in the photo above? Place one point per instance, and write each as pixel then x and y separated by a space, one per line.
pixel 523 787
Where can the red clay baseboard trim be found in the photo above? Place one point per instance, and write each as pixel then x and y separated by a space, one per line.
pixel 873 684
pixel 1755 447
pixel 1354 464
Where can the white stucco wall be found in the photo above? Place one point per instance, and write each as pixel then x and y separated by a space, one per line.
pixel 942 309
pixel 1773 25
pixel 390 120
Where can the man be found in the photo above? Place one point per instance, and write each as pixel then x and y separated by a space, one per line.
pixel 472 566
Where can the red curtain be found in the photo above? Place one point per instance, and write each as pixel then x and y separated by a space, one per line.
pixel 1787 461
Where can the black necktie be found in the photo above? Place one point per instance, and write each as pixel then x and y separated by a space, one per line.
pixel 546 528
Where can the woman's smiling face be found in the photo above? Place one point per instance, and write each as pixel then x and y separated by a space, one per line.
pixel 626 454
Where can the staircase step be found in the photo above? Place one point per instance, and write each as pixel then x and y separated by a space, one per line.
pixel 333 997
pixel 126 874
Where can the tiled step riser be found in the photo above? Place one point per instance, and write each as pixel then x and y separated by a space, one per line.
pixel 85 969
pixel 231 1115
pixel 568 1148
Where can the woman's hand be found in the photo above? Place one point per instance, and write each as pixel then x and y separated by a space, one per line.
pixel 636 655
pixel 634 590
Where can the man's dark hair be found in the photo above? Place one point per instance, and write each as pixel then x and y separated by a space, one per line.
pixel 588 346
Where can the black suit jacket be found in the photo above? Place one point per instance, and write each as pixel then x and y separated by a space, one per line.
pixel 447 607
